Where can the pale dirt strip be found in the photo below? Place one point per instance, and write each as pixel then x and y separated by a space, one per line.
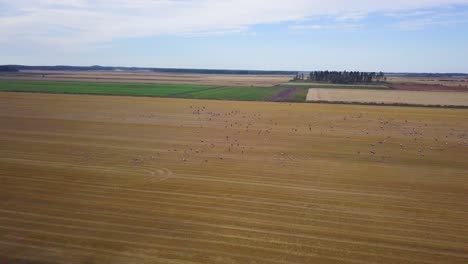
pixel 390 97
pixel 151 77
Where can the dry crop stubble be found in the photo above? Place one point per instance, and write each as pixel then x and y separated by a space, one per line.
pixel 150 180
pixel 389 97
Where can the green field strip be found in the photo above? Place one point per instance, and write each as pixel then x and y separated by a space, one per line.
pixel 238 93
pixel 235 93
pixel 72 87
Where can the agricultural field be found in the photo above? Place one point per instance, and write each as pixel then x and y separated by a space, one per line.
pixel 456 84
pixel 116 179
pixel 392 97
pixel 150 77
pixel 452 84
pixel 238 93
pixel 336 86
pixel 441 81
pixel 224 87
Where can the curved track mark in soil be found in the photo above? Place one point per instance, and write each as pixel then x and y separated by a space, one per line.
pixel 157 175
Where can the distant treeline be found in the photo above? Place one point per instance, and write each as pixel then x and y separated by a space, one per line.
pixel 12 68
pixel 8 68
pixel 213 71
pixel 342 77
pixel 16 68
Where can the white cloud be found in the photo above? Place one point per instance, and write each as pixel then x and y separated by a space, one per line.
pixel 411 14
pixel 351 17
pixel 76 23
pixel 334 26
pixel 422 23
pixel 423 19
pixel 307 27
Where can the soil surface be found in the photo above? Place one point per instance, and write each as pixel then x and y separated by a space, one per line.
pixel 115 179
pixel 151 77
pixel 427 87
pixel 284 95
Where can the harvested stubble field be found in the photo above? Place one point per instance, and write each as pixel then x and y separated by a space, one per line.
pixel 389 97
pixel 96 179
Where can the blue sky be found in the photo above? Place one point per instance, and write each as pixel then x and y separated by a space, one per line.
pixel 397 35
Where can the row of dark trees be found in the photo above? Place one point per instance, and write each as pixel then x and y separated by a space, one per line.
pixel 12 68
pixel 8 68
pixel 343 77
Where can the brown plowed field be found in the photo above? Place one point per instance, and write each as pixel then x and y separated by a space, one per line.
pixel 427 87
pixel 284 95
pixel 453 84
pixel 96 179
pixel 429 84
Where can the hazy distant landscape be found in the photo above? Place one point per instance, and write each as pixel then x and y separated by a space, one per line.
pixel 228 85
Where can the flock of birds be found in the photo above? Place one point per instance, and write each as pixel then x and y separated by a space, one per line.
pixel 223 134
pixel 241 131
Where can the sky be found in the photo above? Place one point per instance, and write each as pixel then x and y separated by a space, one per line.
pixel 364 35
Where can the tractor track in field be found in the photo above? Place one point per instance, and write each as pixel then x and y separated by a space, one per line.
pixel 284 95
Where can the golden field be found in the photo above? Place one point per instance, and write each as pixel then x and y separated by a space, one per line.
pixel 427 98
pixel 102 179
